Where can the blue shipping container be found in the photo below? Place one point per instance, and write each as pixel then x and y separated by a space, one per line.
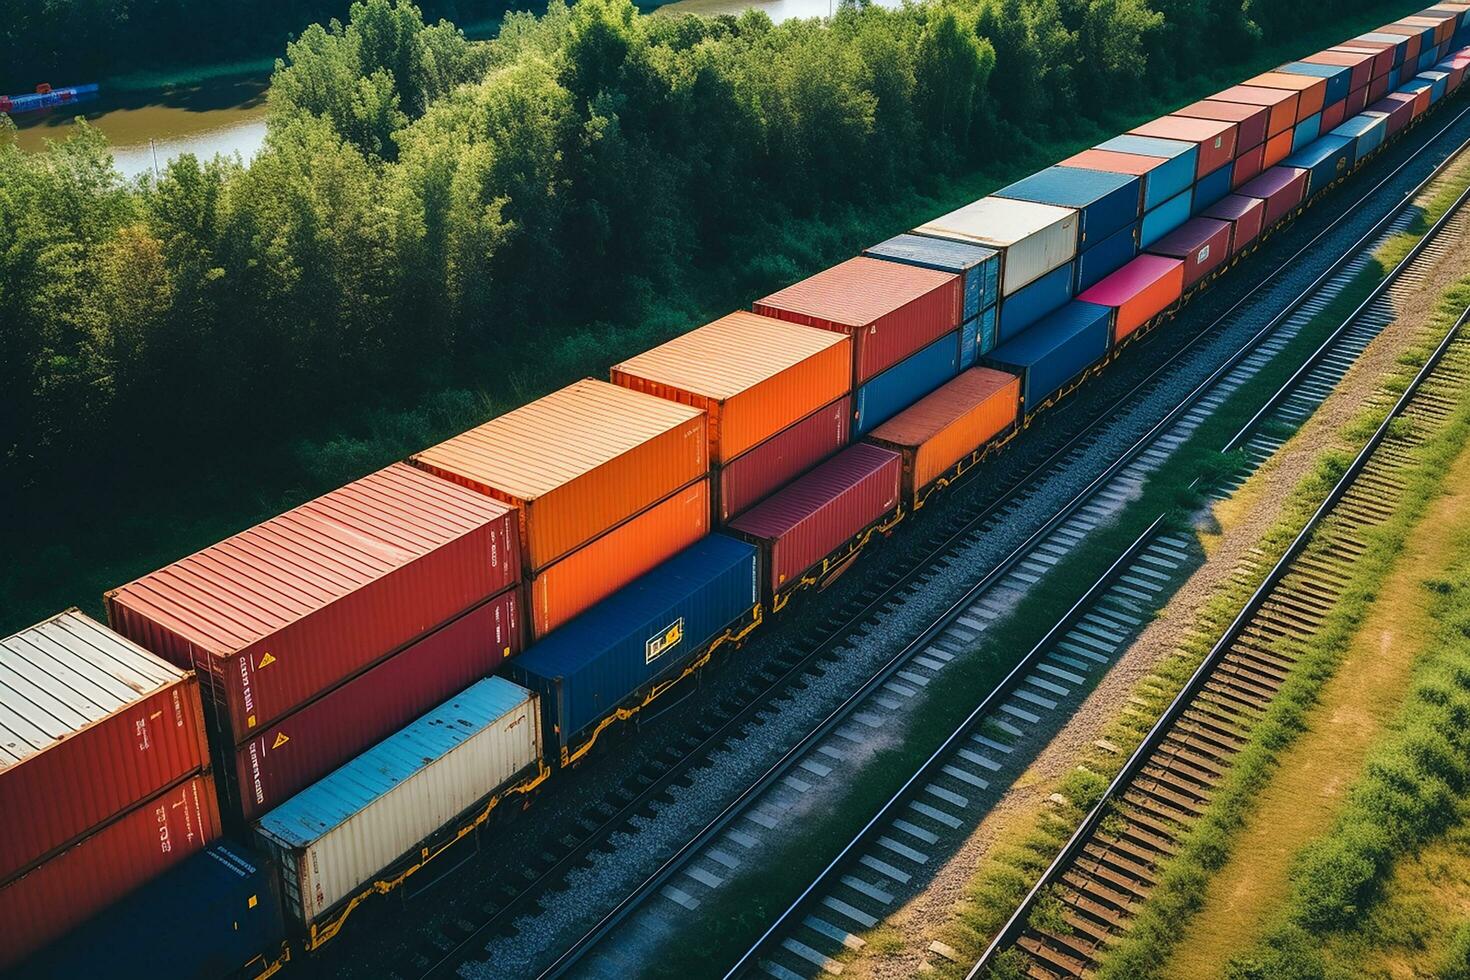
pixel 1105 202
pixel 1395 74
pixel 979 265
pixel 1326 160
pixel 209 917
pixel 1441 82
pixel 1337 77
pixel 977 336
pixel 887 394
pixel 1168 180
pixel 1211 187
pixel 1056 350
pixel 1030 303
pixel 1367 133
pixel 1306 132
pixel 1428 57
pixel 1164 219
pixel 1106 257
pixel 645 631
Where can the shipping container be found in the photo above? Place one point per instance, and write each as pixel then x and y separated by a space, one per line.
pixel 800 527
pixel 1422 92
pixel 215 915
pixel 1106 256
pixel 1164 219
pixel 1165 182
pixel 1211 188
pixel 643 635
pixel 1441 82
pixel 1306 132
pixel 1213 139
pixel 1396 75
pixel 576 462
pixel 1381 53
pixel 1282 188
pixel 1337 77
pixel 1326 160
pixel 283 611
pixel 1312 90
pixel 1251 120
pixel 1025 306
pixel 1248 165
pixel 756 474
pixel 1203 244
pixel 332 839
pixel 1398 110
pixel 1278 148
pixel 946 428
pixel 905 383
pixel 890 310
pixel 1055 352
pixel 1332 117
pixel 977 266
pixel 1357 101
pixel 977 336
pixel 1105 201
pixel 1397 42
pixel 1246 216
pixel 1377 89
pixel 1412 42
pixel 93 725
pixel 752 375
pixel 1155 174
pixel 105 866
pixel 1035 238
pixel 607 563
pixel 1358 63
pixel 310 742
pixel 1281 103
pixel 1138 292
pixel 1428 30
pixel 1367 133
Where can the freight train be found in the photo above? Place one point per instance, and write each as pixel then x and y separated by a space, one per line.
pixel 288 723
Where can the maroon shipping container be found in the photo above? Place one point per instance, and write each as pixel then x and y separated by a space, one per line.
pixel 762 470
pixel 1246 216
pixel 1398 107
pixel 1248 165
pixel 890 310
pixel 1377 89
pixel 1202 243
pixel 1357 101
pixel 281 612
pixel 1252 120
pixel 1282 188
pixel 291 754
pixel 103 867
pixel 92 725
pixel 1333 115
pixel 1359 63
pixel 821 512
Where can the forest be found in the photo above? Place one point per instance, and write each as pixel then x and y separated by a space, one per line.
pixel 435 223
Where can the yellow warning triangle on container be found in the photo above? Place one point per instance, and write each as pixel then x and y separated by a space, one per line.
pixel 281 739
pixel 265 661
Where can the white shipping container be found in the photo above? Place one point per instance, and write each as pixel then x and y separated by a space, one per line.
pixel 1033 238
pixel 337 835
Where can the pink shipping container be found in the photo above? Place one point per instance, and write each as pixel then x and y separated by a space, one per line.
pixel 820 513
pixel 1251 120
pixel 1282 188
pixel 889 310
pixel 1382 55
pixel 92 725
pixel 279 613
pixel 310 742
pixel 1202 244
pixel 104 867
pixel 1245 215
pixel 1138 292
pixel 759 472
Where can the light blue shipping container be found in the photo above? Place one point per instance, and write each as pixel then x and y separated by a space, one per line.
pixel 1106 257
pixel 1164 219
pixel 1441 82
pixel 1306 132
pixel 1027 305
pixel 1416 85
pixel 1367 133
pixel 1055 351
pixel 1105 202
pixel 887 394
pixel 1428 57
pixel 1325 160
pixel 979 265
pixel 1211 187
pixel 1337 77
pixel 1168 180
pixel 977 336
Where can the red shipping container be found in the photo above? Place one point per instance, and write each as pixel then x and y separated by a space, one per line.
pixel 889 310
pixel 1377 89
pixel 1311 89
pixel 1282 188
pixel 1361 64
pixel 1398 107
pixel 1247 165
pixel 1281 103
pixel 1421 101
pixel 1357 101
pixel 1246 216
pixel 281 612
pixel 1251 120
pixel 314 740
pixel 1138 292
pixel 93 725
pixel 1214 138
pixel 759 472
pixel 821 512
pixel 1414 35
pixel 1333 115
pixel 101 868
pixel 1278 148
pixel 1201 243
pixel 1381 51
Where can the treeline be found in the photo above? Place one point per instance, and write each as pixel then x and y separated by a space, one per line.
pixel 430 212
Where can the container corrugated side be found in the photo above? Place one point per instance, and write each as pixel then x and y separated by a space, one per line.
pixel 105 866
pixel 752 375
pixel 92 725
pixel 977 265
pixel 947 426
pixel 756 474
pixel 1055 351
pixel 335 836
pixel 905 383
pixel 641 634
pixel 606 564
pixel 1035 238
pixel 310 742
pixel 285 610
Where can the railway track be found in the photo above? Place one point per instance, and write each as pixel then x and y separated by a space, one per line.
pixel 1108 869
pixel 465 938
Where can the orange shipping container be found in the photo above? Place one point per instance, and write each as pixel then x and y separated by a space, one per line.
pixel 752 375
pixel 1278 148
pixel 1313 90
pixel 606 564
pixel 946 426
pixel 1281 102
pixel 577 462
